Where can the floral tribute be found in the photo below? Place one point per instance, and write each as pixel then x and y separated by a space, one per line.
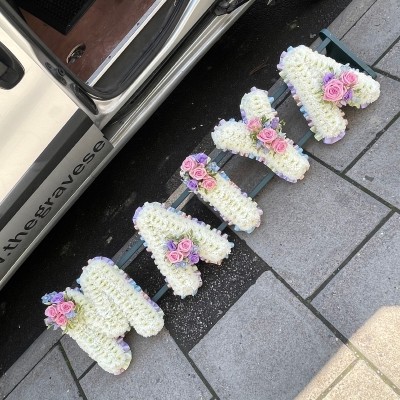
pixel 321 86
pixel 260 136
pixel 100 312
pixel 182 252
pixel 203 177
pixel 158 224
pixel 61 310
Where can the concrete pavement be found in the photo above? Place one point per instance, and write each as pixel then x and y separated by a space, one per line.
pixel 313 294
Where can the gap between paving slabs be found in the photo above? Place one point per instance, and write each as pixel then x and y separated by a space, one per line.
pixel 335 49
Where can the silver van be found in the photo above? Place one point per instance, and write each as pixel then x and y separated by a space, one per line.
pixel 78 78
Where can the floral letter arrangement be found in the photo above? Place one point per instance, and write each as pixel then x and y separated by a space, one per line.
pixel 177 242
pixel 260 136
pixel 201 176
pixel 98 314
pixel 321 86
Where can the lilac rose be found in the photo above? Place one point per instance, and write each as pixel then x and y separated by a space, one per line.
pixel 274 123
pixel 328 77
pixel 201 158
pixel 58 298
pixel 348 95
pixel 192 184
pixel 171 245
pixel 193 258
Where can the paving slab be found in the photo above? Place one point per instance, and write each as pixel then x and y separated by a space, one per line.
pixel 158 370
pixel 78 359
pixel 379 168
pixel 349 16
pixel 375 31
pixel 362 129
pixel 49 380
pixel 361 383
pixel 391 62
pixel 267 346
pixel 335 368
pixel 310 227
pixel 38 349
pixel 363 300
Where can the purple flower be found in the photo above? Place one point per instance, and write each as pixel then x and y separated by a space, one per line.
pixel 328 77
pixel 180 264
pixel 71 314
pixel 171 245
pixel 201 158
pixel 192 184
pixel 193 258
pixel 46 299
pixel 58 298
pixel 274 123
pixel 348 95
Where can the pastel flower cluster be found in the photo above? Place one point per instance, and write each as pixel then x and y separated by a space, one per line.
pixel 157 224
pixel 60 311
pixel 339 90
pixel 240 137
pixel 198 172
pixel 182 252
pixel 320 86
pixel 268 133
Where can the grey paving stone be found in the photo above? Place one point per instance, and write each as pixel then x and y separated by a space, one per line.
pixel 349 16
pixel 362 128
pixel 28 360
pixel 379 169
pixel 375 31
pixel 367 287
pixel 361 383
pixel 78 359
pixel 391 62
pixel 49 380
pixel 267 346
pixel 158 370
pixel 310 227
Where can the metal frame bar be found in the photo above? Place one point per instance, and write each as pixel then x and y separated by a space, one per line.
pixel 335 49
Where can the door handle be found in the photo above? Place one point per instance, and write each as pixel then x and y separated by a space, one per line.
pixel 11 70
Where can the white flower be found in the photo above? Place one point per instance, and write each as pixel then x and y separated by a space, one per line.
pixel 236 137
pixel 303 70
pixel 157 224
pixel 233 205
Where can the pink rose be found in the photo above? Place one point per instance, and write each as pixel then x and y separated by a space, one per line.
pixel 209 183
pixel 198 173
pixel 61 320
pixel 267 135
pixel 65 307
pixel 279 145
pixel 188 164
pixel 334 90
pixel 185 245
pixel 174 256
pixel 349 78
pixel 254 124
pixel 51 311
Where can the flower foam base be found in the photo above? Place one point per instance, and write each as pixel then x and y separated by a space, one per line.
pixel 157 224
pixel 286 159
pixel 223 195
pixel 108 304
pixel 306 72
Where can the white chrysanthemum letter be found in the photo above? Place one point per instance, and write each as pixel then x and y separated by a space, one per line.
pixel 321 86
pixel 175 239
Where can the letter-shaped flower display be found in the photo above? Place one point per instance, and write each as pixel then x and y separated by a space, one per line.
pixel 320 86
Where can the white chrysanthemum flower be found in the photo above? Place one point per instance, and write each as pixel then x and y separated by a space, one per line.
pixel 157 225
pixel 234 136
pixel 303 70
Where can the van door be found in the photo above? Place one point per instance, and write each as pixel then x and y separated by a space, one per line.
pixel 48 147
